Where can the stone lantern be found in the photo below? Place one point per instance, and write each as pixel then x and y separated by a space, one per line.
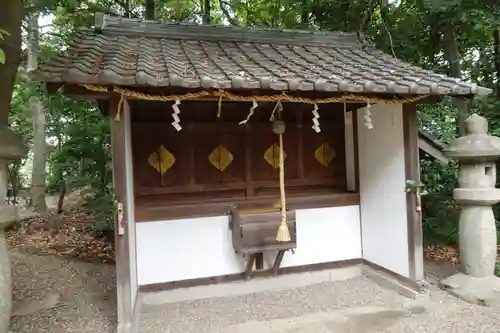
pixel 11 148
pixel 476 153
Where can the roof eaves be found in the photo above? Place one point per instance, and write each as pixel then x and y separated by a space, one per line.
pixel 432 140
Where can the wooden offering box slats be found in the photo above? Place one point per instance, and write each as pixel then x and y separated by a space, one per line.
pixel 254 231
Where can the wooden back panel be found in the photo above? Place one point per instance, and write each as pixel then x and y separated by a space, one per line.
pixel 193 177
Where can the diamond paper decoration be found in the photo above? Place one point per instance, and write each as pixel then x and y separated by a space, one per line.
pixel 161 160
pixel 220 158
pixel 272 156
pixel 325 154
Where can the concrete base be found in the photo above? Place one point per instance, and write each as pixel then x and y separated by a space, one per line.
pixel 389 282
pixel 280 282
pixel 255 285
pixel 483 291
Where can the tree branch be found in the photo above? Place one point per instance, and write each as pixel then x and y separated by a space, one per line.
pixel 231 20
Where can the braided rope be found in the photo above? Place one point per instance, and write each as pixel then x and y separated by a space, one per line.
pixel 283 225
pixel 283 97
pixel 160 98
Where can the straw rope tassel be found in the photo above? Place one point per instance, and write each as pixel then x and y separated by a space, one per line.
pixel 119 108
pixel 219 107
pixel 283 232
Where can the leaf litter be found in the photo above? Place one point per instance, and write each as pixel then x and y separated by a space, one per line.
pixel 68 234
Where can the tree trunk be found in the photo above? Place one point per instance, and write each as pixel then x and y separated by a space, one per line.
pixel 39 147
pixel 14 180
pixel 227 14
pixel 275 20
pixel 150 9
pixel 38 115
pixel 207 19
pixel 450 50
pixel 496 45
pixel 304 14
pixel 128 9
pixel 11 16
pixel 60 201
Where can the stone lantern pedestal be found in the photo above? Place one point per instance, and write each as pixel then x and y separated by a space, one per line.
pixel 476 194
pixel 11 148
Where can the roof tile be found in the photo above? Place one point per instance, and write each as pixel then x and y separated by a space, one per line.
pixel 128 52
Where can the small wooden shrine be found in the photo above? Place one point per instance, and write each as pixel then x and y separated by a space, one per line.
pixel 242 153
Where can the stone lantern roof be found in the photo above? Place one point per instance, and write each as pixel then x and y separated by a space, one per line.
pixel 477 144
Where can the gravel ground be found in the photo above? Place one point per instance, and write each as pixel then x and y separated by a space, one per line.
pixel 87 293
pixel 219 314
pixel 357 306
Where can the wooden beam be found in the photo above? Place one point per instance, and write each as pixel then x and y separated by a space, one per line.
pixel 277 262
pixel 151 209
pixel 412 170
pixel 81 92
pixel 52 88
pixel 355 129
pixel 249 188
pixel 125 306
pixel 430 99
pixel 249 267
pixel 240 276
pixel 431 150
pixel 300 146
pixel 191 150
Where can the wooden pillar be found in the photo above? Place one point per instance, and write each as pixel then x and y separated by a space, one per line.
pixel 412 169
pixel 126 298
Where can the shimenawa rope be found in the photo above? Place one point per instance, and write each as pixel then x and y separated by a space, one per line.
pixel 283 97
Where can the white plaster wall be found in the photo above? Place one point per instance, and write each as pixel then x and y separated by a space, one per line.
pixel 202 247
pixel 130 207
pixel 382 182
pixel 185 249
pixel 325 235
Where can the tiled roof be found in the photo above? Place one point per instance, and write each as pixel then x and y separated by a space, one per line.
pixel 129 52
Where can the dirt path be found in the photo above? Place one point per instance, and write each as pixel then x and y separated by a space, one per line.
pixel 86 291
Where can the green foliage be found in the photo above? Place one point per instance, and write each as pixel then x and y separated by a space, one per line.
pixel 3 34
pixel 77 134
pixel 440 214
pixel 81 153
pixel 104 206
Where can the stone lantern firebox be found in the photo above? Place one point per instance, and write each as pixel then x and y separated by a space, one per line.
pixel 476 194
pixel 11 148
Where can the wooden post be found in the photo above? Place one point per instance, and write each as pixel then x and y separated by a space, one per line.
pixel 412 168
pixel 126 300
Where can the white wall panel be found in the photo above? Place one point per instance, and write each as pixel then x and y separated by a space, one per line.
pixel 382 184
